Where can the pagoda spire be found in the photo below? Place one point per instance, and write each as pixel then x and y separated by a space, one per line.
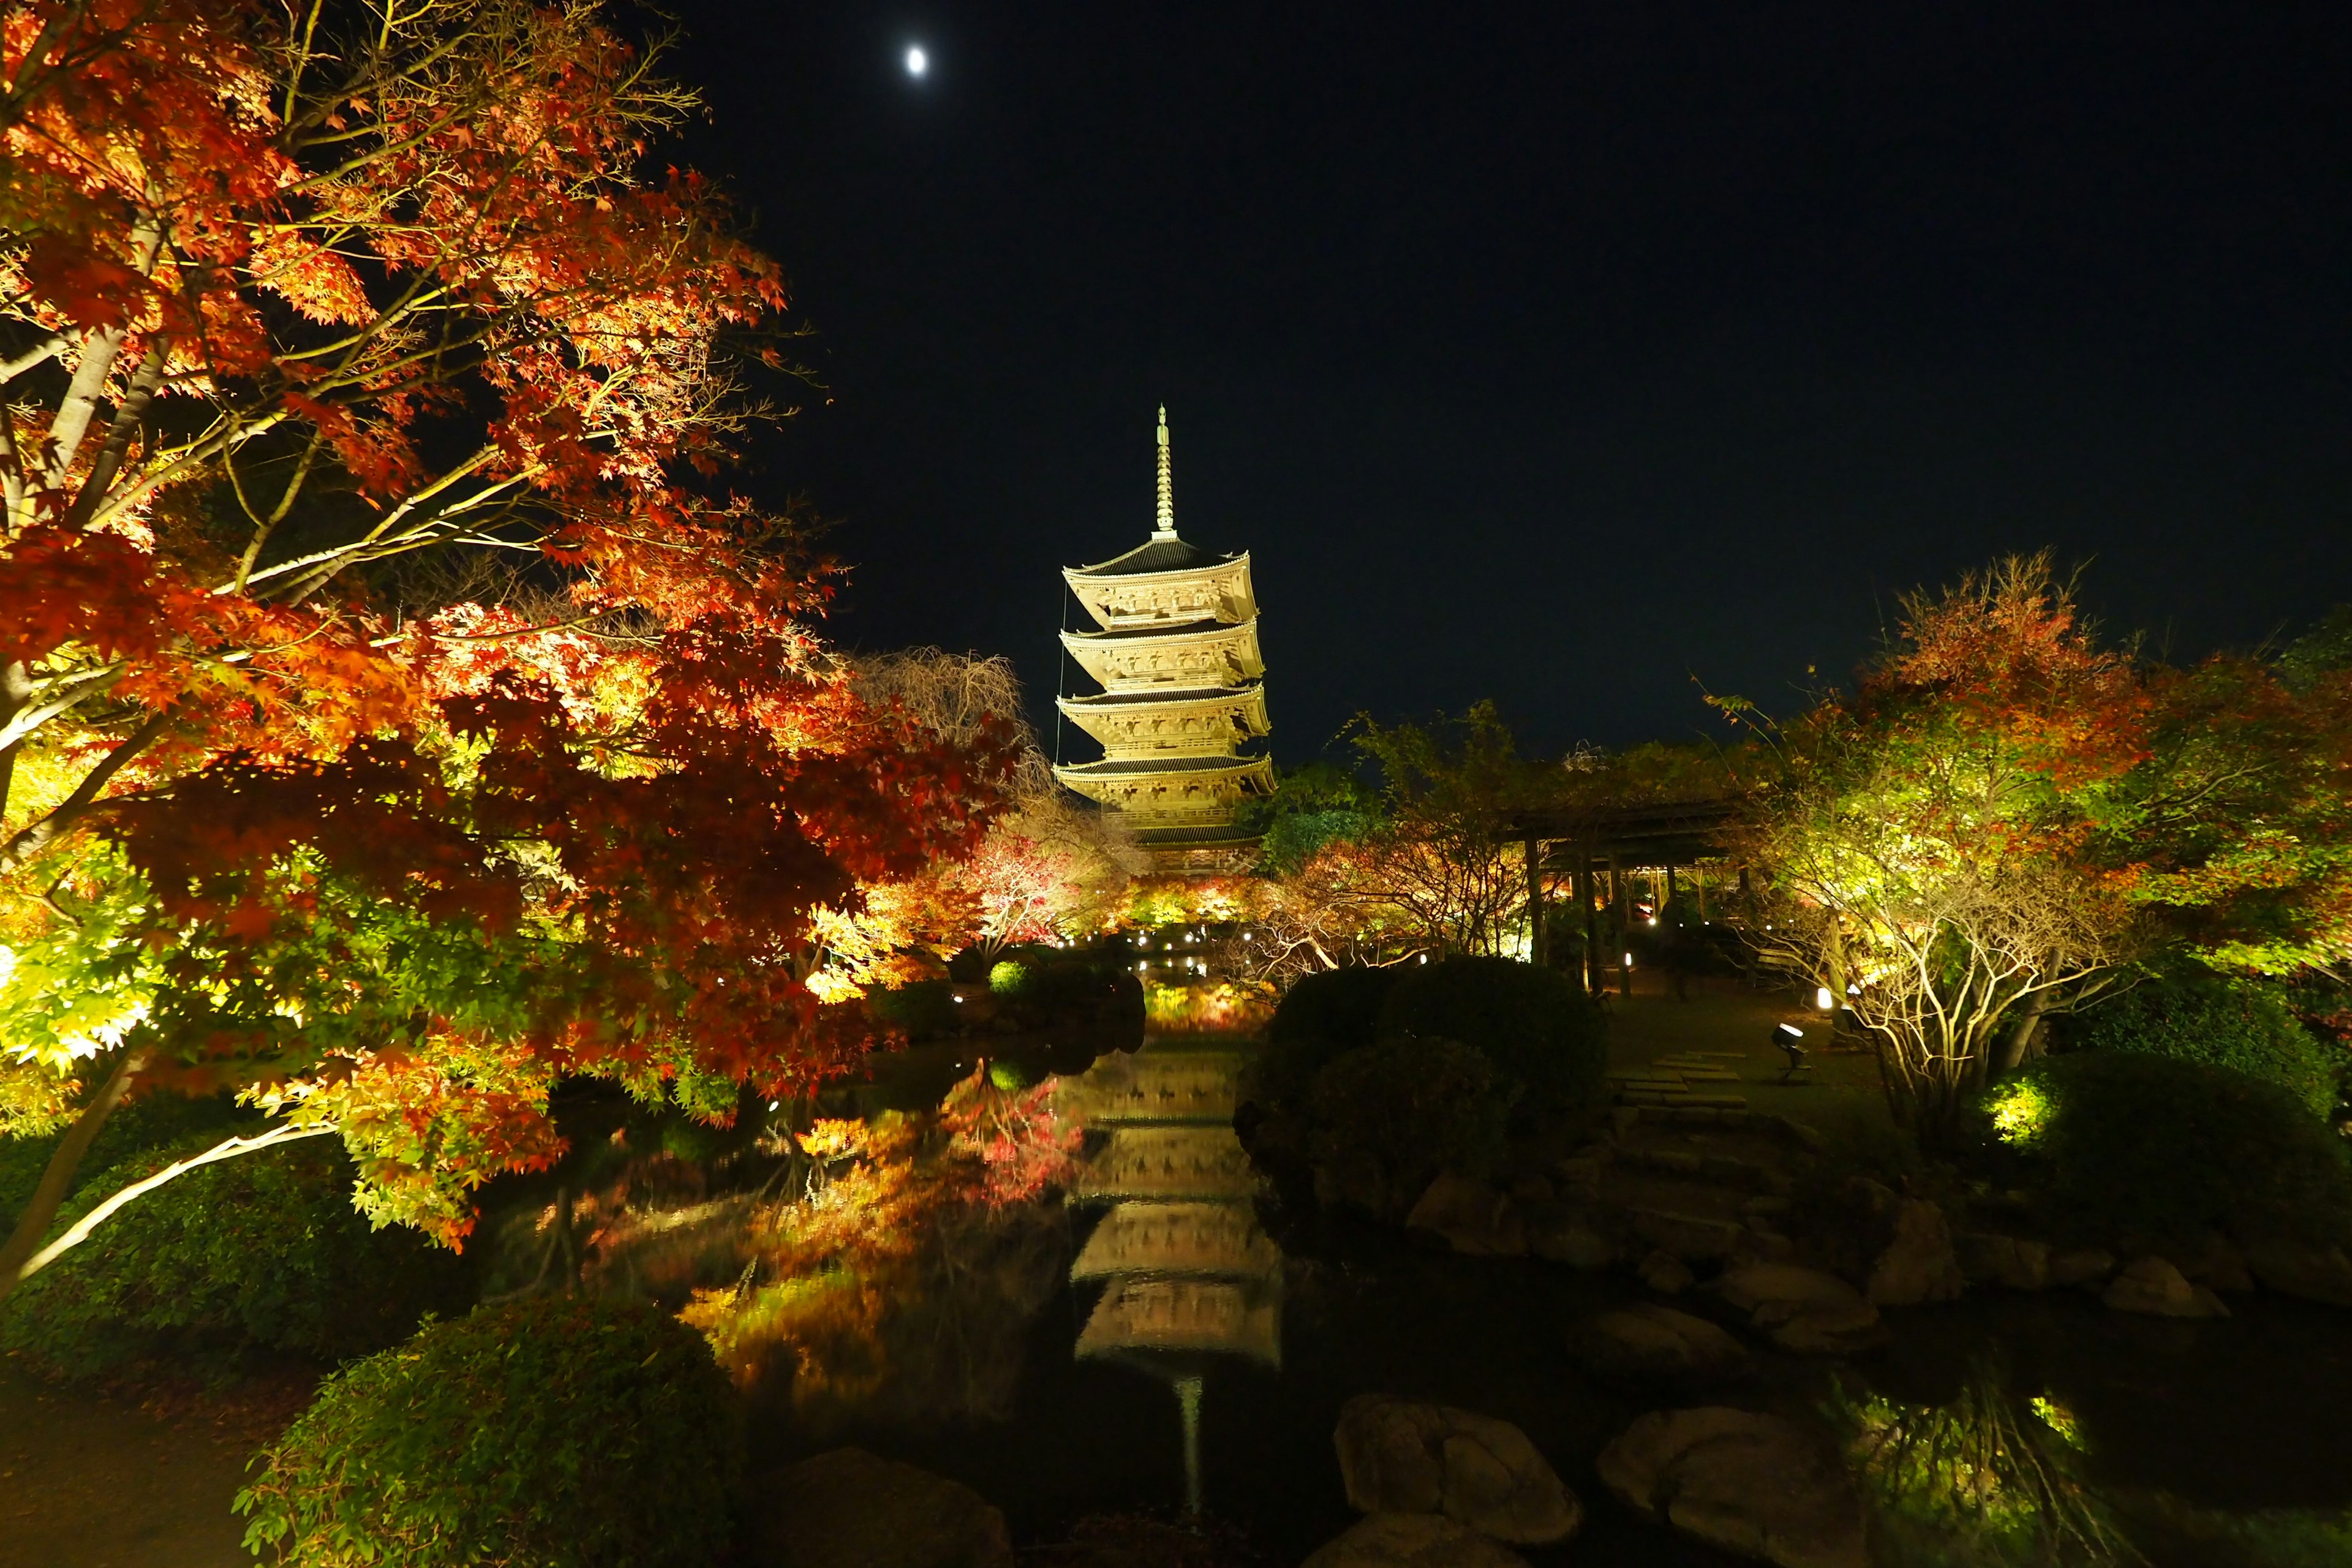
pixel 1165 528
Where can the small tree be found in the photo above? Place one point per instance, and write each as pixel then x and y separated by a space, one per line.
pixel 1935 840
pixel 1441 858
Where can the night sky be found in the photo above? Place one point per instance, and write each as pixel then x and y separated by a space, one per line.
pixel 1565 356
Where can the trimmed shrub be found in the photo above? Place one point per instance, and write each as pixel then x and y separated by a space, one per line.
pixel 1385 1119
pixel 138 1125
pixel 559 1432
pixel 2149 1152
pixel 262 1252
pixel 1319 1017
pixel 925 1009
pixel 1536 1025
pixel 2243 1027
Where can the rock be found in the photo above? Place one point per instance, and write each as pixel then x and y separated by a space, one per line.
pixel 1666 1274
pixel 2217 1266
pixel 1655 1346
pixel 1804 1310
pixel 2154 1285
pixel 1754 1288
pixel 1469 1216
pixel 1579 1176
pixel 1562 1236
pixel 1918 1266
pixel 1402 1456
pixel 2008 1261
pixel 1747 1483
pixel 2086 1267
pixel 1531 1187
pixel 1354 1180
pixel 1412 1541
pixel 2299 1268
pixel 849 1509
pixel 1691 1237
pixel 1768 1205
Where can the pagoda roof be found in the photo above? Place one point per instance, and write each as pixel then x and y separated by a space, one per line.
pixel 1163 765
pixel 1134 698
pixel 1181 629
pixel 1157 553
pixel 1175 837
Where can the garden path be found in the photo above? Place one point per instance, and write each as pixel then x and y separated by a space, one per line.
pixel 89 1480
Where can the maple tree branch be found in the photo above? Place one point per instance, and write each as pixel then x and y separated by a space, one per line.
pixel 99 345
pixel 38 355
pixel 40 833
pixel 29 715
pixel 127 418
pixel 229 1149
pixel 56 1177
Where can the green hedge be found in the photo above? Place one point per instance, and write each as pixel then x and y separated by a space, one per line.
pixel 262 1252
pixel 1536 1025
pixel 561 1432
pixel 1320 1017
pixel 2245 1027
pixel 1410 1108
pixel 139 1125
pixel 2139 1150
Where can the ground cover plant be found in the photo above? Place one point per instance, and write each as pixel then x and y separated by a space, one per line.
pixel 558 1432
pixel 2146 1152
pixel 2244 1026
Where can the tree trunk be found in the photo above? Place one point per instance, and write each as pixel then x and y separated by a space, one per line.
pixel 57 1178
pixel 2015 1048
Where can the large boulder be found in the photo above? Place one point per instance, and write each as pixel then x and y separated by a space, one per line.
pixel 1918 1266
pixel 1559 1234
pixel 848 1509
pixel 1648 1345
pixel 1412 1541
pixel 2012 1262
pixel 2087 1267
pixel 1694 1238
pixel 2152 1285
pixel 1803 1309
pixel 2300 1269
pixel 1402 1456
pixel 1751 1484
pixel 1470 1217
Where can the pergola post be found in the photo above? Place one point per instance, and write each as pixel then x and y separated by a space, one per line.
pixel 1592 921
pixel 1617 898
pixel 1535 903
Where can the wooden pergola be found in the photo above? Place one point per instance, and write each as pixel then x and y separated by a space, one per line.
pixel 1614 841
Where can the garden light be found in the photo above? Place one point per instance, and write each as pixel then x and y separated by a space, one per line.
pixel 1822 999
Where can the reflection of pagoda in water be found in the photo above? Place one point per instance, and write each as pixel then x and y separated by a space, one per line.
pixel 1188 1274
pixel 1177 657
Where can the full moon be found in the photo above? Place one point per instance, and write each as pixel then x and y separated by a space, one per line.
pixel 918 62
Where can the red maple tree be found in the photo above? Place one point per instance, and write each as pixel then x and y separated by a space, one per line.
pixel 398 711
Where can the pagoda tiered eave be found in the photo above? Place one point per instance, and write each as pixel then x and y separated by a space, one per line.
pixel 1137 590
pixel 1160 721
pixel 1195 654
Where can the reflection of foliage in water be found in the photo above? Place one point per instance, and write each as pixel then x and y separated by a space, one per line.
pixel 903 1275
pixel 2273 1538
pixel 1982 1480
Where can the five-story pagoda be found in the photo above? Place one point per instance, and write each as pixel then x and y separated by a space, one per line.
pixel 1177 657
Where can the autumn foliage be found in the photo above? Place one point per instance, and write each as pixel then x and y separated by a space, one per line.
pixel 397 709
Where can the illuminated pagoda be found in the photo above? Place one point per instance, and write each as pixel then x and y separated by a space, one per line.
pixel 1176 655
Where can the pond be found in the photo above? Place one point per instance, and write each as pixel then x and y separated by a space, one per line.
pixel 1198 1334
